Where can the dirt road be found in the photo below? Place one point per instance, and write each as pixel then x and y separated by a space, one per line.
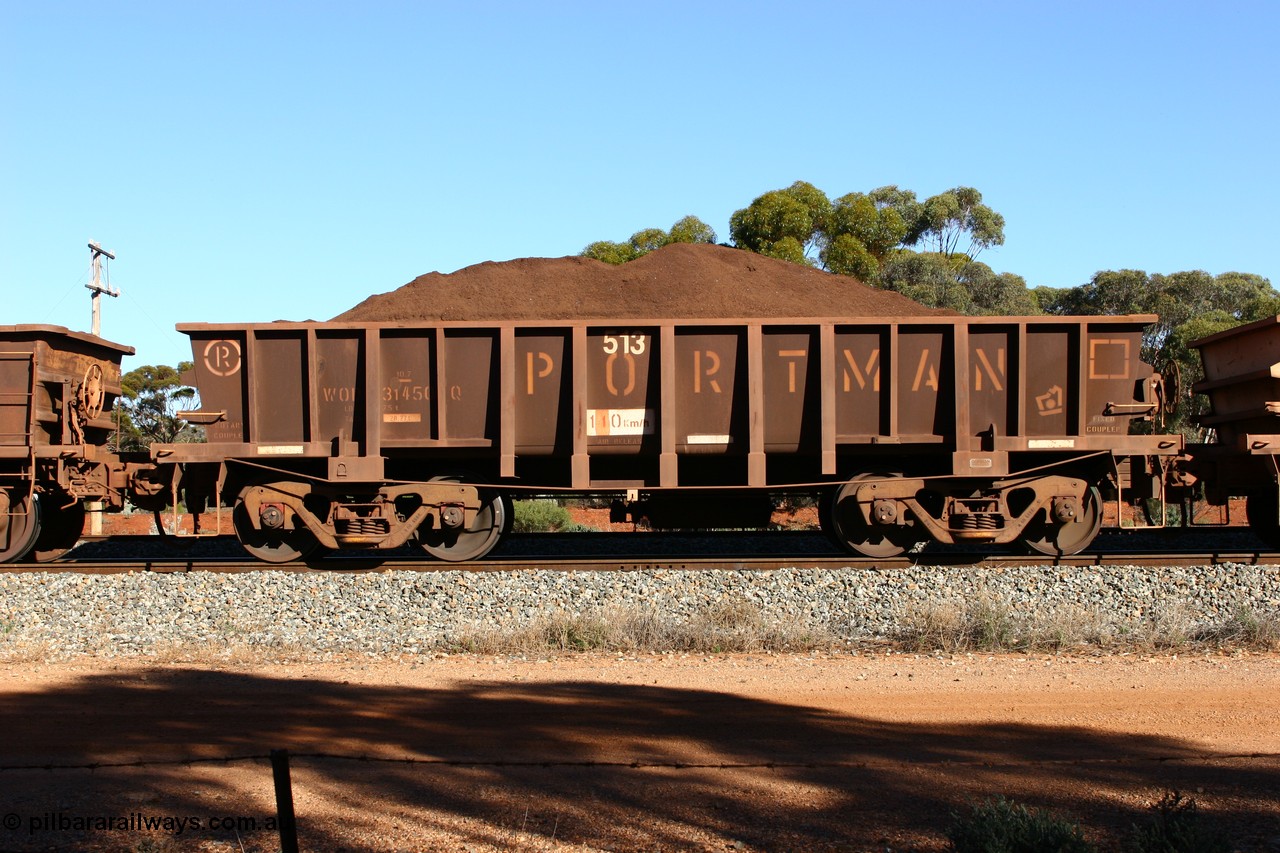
pixel 666 752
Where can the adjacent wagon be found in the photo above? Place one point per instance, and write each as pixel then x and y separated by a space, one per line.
pixel 1242 383
pixel 57 389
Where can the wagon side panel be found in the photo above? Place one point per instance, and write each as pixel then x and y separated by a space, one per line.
pixel 222 379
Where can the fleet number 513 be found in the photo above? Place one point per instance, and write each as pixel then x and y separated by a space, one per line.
pixel 626 344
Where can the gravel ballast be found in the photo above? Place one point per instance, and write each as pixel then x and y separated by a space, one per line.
pixel 54 616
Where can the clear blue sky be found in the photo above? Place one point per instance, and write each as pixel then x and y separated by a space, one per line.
pixel 271 160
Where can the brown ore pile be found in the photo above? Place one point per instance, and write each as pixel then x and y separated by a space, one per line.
pixel 680 281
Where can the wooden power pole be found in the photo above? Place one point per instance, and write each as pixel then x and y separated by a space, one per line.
pixel 97 287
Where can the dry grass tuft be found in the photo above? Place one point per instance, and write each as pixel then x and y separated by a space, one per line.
pixel 27 651
pixel 1246 628
pixel 728 626
pixel 983 622
pixel 988 622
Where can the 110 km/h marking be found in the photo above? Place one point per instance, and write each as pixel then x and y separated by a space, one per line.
pixel 602 422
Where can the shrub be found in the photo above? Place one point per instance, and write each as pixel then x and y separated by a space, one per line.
pixel 573 634
pixel 1176 827
pixel 575 527
pixel 546 516
pixel 999 826
pixel 982 623
pixel 541 516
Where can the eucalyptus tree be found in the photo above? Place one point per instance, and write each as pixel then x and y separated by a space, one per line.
pixel 148 408
pixel 790 224
pixel 861 236
pixel 689 229
pixel 947 219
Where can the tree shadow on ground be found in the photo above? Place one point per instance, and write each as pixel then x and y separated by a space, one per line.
pixel 614 766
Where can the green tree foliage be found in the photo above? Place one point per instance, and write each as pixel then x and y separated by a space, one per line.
pixel 867 235
pixel 947 219
pixel 968 287
pixel 647 240
pixel 610 252
pixel 902 201
pixel 1182 296
pixel 1044 296
pixel 861 235
pixel 690 229
pixel 147 412
pixel 1108 292
pixel 997 294
pixel 928 279
pixel 1177 298
pixel 789 224
pixel 1190 305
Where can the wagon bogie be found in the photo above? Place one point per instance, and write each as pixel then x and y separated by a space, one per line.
pixel 283 520
pixel 881 516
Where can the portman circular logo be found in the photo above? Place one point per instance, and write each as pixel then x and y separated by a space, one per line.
pixel 222 358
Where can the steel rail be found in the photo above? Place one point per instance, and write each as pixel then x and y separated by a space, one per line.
pixel 642 561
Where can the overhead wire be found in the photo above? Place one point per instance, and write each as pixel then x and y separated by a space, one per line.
pixel 63 298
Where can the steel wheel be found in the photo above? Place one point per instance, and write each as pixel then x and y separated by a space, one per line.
pixel 456 546
pixel 60 530
pixel 272 546
pixel 1062 540
pixel 20 531
pixel 851 530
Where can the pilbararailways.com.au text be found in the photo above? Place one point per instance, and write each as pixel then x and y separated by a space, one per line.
pixel 134 822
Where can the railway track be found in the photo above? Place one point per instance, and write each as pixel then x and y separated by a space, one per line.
pixel 621 552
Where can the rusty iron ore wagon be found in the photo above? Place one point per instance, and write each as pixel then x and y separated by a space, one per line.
pixel 1242 383
pixel 950 429
pixel 57 389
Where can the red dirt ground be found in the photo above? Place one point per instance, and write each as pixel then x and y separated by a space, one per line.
pixel 672 752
